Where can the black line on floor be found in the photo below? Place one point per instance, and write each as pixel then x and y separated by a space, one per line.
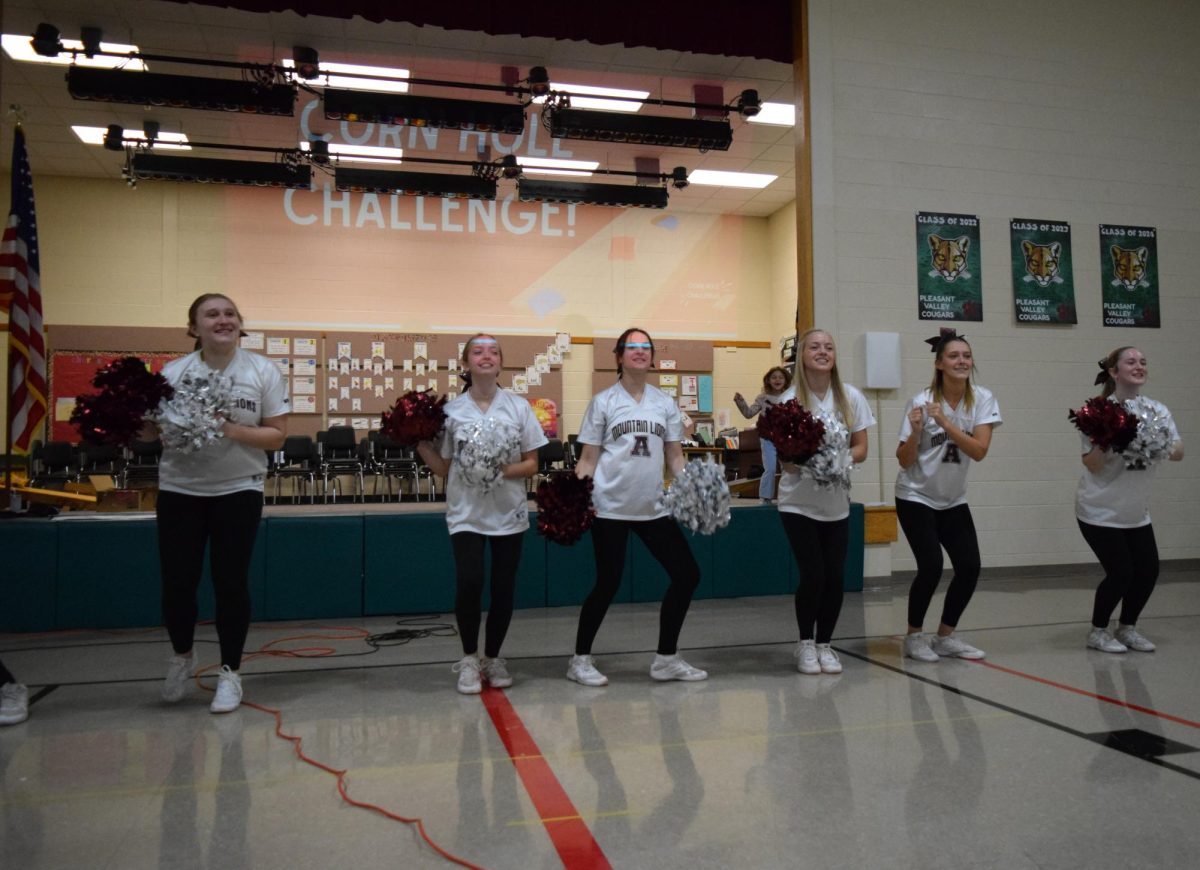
pixel 41 693
pixel 1024 714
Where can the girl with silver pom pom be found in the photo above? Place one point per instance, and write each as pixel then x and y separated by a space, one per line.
pixel 629 430
pixel 488 448
pixel 1111 504
pixel 211 488
pixel 945 429
pixel 814 499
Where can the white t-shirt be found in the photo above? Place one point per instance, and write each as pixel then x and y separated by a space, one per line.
pixel 938 479
pixel 504 510
pixel 802 495
pixel 225 465
pixel 1117 497
pixel 630 435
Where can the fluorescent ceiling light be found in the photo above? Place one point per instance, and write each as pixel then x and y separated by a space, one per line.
pixel 553 166
pixel 165 141
pixel 719 178
pixel 776 114
pixel 361 153
pixel 347 75
pixel 588 97
pixel 18 47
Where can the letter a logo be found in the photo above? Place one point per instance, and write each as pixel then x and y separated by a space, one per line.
pixel 641 446
pixel 952 454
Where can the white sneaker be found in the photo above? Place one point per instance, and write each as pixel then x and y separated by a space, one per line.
pixel 180 670
pixel 495 672
pixel 467 669
pixel 1099 638
pixel 1133 639
pixel 674 668
pixel 14 704
pixel 583 671
pixel 830 663
pixel 951 647
pixel 916 646
pixel 807 661
pixel 228 696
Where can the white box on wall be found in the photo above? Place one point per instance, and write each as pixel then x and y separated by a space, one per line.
pixel 883 360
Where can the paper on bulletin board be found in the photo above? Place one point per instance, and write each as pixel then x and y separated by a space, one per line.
pixel 304 386
pixel 337 421
pixel 253 341
pixel 377 350
pixel 563 340
pixel 360 423
pixel 533 377
pixel 689 386
pixel 705 386
pixel 304 367
pixel 281 364
pixel 304 404
pixel 304 346
pixel 666 363
pixel 541 362
pixel 689 403
pixel 554 355
pixel 520 384
pixel 343 350
pixel 278 346
pixel 668 380
pixel 420 350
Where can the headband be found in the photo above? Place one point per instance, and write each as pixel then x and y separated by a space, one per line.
pixel 946 334
pixel 642 344
pixel 1103 376
pixel 482 339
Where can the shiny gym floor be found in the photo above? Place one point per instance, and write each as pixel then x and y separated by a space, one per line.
pixel 1046 756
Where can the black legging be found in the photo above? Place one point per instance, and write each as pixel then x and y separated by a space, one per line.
pixel 6 675
pixel 820 550
pixel 667 544
pixel 1129 558
pixel 230 524
pixel 468 596
pixel 928 531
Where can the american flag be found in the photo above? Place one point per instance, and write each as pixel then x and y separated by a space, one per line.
pixel 21 298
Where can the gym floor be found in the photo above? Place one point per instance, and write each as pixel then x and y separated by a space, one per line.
pixel 1045 755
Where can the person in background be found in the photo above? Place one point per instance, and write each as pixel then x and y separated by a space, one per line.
pixel 775 383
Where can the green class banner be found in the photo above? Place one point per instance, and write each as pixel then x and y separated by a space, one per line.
pixel 1129 275
pixel 1043 277
pixel 949 285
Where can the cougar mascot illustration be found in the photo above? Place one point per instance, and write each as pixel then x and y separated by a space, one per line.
pixel 949 256
pixel 1129 266
pixel 1041 261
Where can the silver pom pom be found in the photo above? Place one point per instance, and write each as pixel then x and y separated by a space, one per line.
pixel 482 449
pixel 830 466
pixel 699 497
pixel 194 417
pixel 1153 441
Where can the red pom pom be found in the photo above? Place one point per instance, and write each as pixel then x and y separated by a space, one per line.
pixel 128 392
pixel 415 417
pixel 1108 424
pixel 565 509
pixel 795 432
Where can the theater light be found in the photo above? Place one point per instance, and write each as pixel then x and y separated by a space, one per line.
pixel 190 92
pixel 776 114
pixel 20 47
pixel 169 141
pixel 360 153
pixel 414 183
pixel 356 77
pixel 699 133
pixel 147 166
pixel 618 195
pixel 405 109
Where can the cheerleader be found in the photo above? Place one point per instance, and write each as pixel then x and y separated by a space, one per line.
pixel 214 497
pixel 627 433
pixel 775 382
pixel 499 516
pixel 816 517
pixel 1111 508
pixel 945 428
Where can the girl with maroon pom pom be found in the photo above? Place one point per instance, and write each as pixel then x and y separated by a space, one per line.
pixel 214 496
pixel 816 518
pixel 478 516
pixel 1111 508
pixel 627 433
pixel 945 428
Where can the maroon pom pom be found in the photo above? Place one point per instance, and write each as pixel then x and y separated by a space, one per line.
pixel 565 509
pixel 1108 424
pixel 795 432
pixel 415 417
pixel 128 392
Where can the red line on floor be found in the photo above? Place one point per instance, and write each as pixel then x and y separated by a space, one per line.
pixel 1116 701
pixel 576 846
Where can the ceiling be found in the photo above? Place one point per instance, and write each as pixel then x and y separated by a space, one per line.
pixel 428 52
